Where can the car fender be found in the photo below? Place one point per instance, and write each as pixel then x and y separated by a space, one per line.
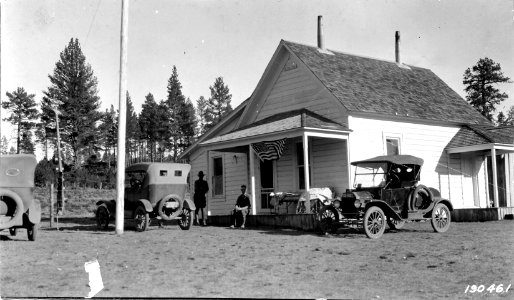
pixel 388 211
pixel 146 204
pixel 188 203
pixel 17 219
pixel 34 212
pixel 435 202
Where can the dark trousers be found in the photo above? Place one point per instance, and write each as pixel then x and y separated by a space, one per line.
pixel 238 217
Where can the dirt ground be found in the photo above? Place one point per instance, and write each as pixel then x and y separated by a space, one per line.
pixel 414 263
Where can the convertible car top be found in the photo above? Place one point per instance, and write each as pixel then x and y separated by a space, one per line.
pixel 395 159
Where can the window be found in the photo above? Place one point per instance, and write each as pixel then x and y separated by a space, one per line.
pixel 392 146
pixel 300 164
pixel 163 173
pixel 217 177
pixel 178 173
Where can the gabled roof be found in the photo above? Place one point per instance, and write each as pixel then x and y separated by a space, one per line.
pixel 471 135
pixel 280 123
pixel 381 87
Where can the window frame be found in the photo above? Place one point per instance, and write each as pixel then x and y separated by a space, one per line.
pixel 392 136
pixel 214 177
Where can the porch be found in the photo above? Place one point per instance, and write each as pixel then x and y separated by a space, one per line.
pixel 308 222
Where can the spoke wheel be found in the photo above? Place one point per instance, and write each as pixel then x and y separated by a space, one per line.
pixel 102 218
pixel 13 231
pixel 32 231
pixel 374 222
pixel 328 219
pixel 142 219
pixel 186 219
pixel 441 218
pixel 395 224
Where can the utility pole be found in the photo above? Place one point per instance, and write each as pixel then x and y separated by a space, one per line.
pixel 120 163
pixel 60 179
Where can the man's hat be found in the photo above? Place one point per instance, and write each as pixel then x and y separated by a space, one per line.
pixel 200 173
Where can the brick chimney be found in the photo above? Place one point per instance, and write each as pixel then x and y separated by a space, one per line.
pixel 397 47
pixel 321 44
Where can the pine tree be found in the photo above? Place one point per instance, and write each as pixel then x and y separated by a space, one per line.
pixel 23 115
pixel 480 81
pixel 149 123
pixel 218 105
pixel 201 107
pixel 4 145
pixel 109 132
pixel 73 91
pixel 133 130
pixel 187 125
pixel 506 120
pixel 175 102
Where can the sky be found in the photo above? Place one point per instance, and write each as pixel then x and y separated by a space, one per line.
pixel 236 39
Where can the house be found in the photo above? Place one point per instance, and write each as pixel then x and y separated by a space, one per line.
pixel 329 108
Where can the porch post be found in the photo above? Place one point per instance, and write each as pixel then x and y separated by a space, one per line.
pixel 306 161
pixel 252 178
pixel 495 176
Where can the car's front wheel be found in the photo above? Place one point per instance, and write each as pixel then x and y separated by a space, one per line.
pixel 328 219
pixel 102 218
pixel 395 224
pixel 142 218
pixel 374 222
pixel 186 219
pixel 441 218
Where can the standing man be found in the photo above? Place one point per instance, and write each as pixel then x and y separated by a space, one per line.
pixel 201 188
pixel 241 210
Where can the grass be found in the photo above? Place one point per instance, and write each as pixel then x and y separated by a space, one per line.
pixel 79 202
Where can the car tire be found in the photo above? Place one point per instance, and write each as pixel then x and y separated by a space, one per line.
pixel 142 218
pixel 441 218
pixel 374 222
pixel 32 232
pixel 395 224
pixel 161 209
pixel 186 219
pixel 328 219
pixel 423 201
pixel 102 218
pixel 13 231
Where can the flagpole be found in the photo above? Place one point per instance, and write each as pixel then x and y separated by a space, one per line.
pixel 120 164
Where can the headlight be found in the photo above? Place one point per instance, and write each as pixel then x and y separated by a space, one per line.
pixel 337 203
pixel 357 203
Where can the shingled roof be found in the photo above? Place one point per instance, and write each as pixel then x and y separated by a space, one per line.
pixel 478 135
pixel 375 86
pixel 282 122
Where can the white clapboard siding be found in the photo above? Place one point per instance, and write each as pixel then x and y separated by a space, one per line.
pixel 440 170
pixel 296 89
pixel 235 173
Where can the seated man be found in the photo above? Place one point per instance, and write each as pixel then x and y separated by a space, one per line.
pixel 241 210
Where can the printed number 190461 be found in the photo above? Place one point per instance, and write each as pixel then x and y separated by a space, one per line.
pixel 491 289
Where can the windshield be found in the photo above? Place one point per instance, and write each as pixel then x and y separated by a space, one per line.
pixel 369 175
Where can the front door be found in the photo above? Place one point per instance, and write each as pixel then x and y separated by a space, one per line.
pixel 267 183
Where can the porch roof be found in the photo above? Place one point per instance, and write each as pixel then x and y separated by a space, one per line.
pixel 288 122
pixel 476 137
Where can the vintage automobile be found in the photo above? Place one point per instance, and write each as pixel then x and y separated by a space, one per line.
pixel 386 190
pixel 18 208
pixel 152 191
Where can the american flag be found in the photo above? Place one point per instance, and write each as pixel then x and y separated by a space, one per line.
pixel 269 150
